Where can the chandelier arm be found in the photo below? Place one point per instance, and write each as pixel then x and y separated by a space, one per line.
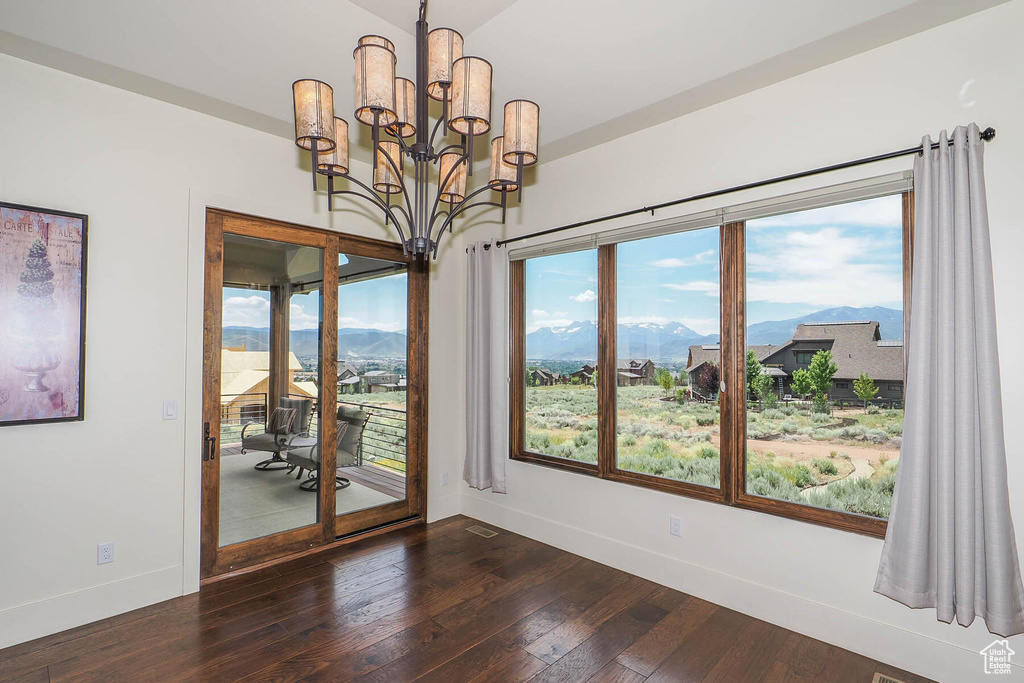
pixel 440 189
pixel 405 192
pixel 460 207
pixel 371 196
pixel 401 143
pixel 461 148
pixel 433 132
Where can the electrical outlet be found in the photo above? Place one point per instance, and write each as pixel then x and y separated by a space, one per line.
pixel 104 553
pixel 444 479
pixel 675 525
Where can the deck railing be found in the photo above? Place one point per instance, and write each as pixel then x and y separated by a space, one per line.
pixel 385 436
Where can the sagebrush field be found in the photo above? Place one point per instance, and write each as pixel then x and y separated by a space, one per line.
pixel 845 460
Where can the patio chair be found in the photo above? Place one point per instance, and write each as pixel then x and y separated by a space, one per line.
pixel 305 453
pixel 290 419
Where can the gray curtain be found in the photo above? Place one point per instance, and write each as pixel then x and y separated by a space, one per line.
pixel 950 542
pixel 486 367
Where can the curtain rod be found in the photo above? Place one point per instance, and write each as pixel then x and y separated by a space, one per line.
pixel 986 135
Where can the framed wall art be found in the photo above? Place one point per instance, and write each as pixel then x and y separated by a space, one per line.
pixel 42 315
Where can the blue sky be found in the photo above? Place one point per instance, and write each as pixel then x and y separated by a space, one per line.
pixel 378 304
pixel 798 263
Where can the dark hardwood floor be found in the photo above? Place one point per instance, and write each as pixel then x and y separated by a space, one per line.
pixel 435 603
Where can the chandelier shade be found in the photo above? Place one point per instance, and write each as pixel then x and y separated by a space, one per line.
pixel 503 174
pixel 405 107
pixel 313 102
pixel 471 96
pixel 522 121
pixel 388 173
pixel 377 40
pixel 452 170
pixel 444 47
pixel 335 162
pixel 397 111
pixel 375 84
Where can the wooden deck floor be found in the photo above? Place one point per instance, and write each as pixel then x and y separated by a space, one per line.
pixel 436 603
pixel 379 479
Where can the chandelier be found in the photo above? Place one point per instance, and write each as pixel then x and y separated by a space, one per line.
pixel 396 110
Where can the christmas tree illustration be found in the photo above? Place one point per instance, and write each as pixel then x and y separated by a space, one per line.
pixel 34 327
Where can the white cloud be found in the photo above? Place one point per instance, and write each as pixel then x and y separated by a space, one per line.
pixel 540 318
pixel 825 268
pixel 706 286
pixel 299 319
pixel 683 262
pixel 583 297
pixel 882 212
pixel 356 323
pixel 666 301
pixel 246 311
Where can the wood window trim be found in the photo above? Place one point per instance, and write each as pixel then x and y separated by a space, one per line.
pixel 732 491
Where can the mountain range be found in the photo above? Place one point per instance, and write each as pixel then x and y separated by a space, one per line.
pixel 671 341
pixel 353 342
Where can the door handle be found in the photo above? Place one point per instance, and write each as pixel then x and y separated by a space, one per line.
pixel 209 443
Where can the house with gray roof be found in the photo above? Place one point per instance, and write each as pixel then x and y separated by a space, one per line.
pixel 856 346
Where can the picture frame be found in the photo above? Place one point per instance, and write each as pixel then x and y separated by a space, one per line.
pixel 43 257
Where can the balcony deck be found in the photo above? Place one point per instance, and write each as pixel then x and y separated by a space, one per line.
pixel 380 479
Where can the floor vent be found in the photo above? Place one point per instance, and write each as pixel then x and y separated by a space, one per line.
pixel 882 678
pixel 488 533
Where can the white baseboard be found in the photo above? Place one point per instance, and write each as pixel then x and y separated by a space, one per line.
pixel 898 647
pixel 53 615
pixel 443 507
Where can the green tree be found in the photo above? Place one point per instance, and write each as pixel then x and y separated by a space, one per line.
pixel 758 382
pixel 821 371
pixel 530 380
pixel 665 380
pixel 575 381
pixel 801 384
pixel 593 377
pixel 865 388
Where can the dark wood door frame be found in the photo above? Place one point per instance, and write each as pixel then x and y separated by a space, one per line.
pixel 216 560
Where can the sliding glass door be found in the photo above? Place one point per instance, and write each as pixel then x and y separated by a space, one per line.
pixel 313 394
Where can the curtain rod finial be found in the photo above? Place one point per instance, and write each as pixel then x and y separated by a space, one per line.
pixel 988 133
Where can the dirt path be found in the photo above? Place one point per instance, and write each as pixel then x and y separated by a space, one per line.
pixel 869 456
pixel 862 469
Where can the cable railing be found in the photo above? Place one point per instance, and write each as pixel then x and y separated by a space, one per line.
pixel 384 440
pixel 385 435
pixel 238 411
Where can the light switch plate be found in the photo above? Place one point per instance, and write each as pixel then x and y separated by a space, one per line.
pixel 170 410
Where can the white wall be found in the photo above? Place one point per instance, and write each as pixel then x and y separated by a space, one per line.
pixel 143 171
pixel 808 578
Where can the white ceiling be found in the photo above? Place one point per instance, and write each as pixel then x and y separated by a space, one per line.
pixel 599 69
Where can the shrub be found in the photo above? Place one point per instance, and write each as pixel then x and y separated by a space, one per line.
pixel 820 403
pixel 788 410
pixel 860 496
pixel 820 418
pixel 680 396
pixel 873 410
pixel 857 432
pixel 765 480
pixel 627 440
pixel 707 451
pixel 826 467
pixel 789 427
pixel 773 414
pixel 705 420
pixel 876 435
pixel 894 428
